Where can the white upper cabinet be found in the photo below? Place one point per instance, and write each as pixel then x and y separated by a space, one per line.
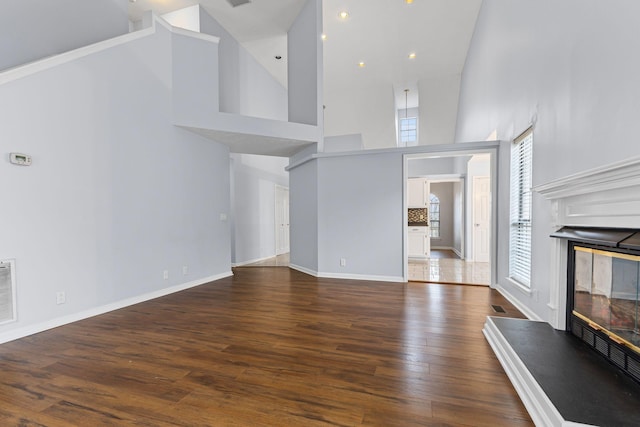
pixel 418 193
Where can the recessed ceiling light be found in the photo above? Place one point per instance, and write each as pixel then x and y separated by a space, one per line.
pixel 343 15
pixel 323 36
pixel 412 55
pixel 361 64
pixel 408 1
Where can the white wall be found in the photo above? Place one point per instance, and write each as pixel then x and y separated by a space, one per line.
pixel 338 143
pixel 254 179
pixel 369 111
pixel 424 167
pixel 438 109
pixel 304 66
pixel 34 29
pixel 245 87
pixel 575 78
pixel 116 193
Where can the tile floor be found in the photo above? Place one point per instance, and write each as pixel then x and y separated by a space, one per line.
pixel 446 267
pixel 443 266
pixel 276 261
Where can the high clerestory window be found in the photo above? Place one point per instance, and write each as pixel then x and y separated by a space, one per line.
pixel 520 235
pixel 408 131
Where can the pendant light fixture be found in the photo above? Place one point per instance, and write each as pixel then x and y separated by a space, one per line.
pixel 406 103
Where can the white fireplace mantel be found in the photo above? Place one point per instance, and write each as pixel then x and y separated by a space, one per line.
pixel 607 196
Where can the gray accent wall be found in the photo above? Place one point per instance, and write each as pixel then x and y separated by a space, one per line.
pixel 360 215
pixel 576 82
pixel 35 29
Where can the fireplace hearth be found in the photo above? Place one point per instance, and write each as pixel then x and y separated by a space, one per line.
pixel 603 287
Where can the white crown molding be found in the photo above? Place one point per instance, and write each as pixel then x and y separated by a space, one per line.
pixel 617 175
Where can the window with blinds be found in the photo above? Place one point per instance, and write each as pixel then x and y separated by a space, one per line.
pixel 520 236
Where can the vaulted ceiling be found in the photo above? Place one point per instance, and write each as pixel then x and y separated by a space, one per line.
pixel 380 33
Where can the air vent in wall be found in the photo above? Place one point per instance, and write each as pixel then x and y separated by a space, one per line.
pixel 7 291
pixel 236 3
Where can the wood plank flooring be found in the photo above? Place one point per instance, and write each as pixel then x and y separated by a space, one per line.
pixel 269 347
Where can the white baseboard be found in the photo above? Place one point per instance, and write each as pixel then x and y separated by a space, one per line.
pixel 442 248
pixel 304 270
pixel 251 261
pixel 324 275
pixel 457 252
pixel 64 320
pixel 395 279
pixel 523 308
pixel 540 408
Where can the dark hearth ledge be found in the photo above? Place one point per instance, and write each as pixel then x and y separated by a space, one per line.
pixel 561 381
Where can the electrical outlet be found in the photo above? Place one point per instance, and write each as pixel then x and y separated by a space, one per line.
pixel 343 262
pixel 61 298
pixel 185 270
pixel 223 217
pixel 165 274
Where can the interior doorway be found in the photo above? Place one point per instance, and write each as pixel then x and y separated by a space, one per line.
pixel 466 182
pixel 282 220
pixel 481 218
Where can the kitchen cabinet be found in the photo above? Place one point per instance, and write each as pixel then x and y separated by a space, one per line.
pixel 419 243
pixel 417 193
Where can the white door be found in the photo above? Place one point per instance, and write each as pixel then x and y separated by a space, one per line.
pixel 282 220
pixel 481 218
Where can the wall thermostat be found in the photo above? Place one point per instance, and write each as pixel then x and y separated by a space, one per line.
pixel 20 159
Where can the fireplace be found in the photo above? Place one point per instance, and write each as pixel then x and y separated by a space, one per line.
pixel 603 286
pixel 553 371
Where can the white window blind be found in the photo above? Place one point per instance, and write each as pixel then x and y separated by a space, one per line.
pixel 520 236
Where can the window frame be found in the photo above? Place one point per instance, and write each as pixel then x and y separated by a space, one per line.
pixel 521 201
pixel 405 132
pixel 431 214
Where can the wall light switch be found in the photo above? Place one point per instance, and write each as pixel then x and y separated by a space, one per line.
pixel 223 217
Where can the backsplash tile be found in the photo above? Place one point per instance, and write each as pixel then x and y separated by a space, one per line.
pixel 418 215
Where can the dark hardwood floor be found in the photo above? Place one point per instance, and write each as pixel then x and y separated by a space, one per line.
pixel 269 347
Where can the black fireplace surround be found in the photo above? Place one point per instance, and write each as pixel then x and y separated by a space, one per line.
pixel 603 288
